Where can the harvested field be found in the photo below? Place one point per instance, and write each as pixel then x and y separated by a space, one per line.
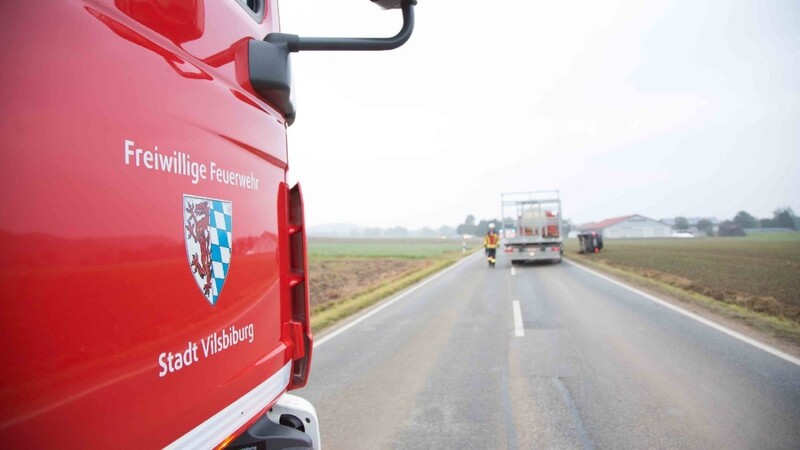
pixel 760 274
pixel 343 269
pixel 332 279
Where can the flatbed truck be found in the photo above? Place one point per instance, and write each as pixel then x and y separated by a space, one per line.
pixel 532 226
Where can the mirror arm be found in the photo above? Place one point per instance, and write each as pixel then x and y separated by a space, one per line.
pixel 295 43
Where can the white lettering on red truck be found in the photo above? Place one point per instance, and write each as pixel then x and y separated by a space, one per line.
pixel 180 163
pixel 215 343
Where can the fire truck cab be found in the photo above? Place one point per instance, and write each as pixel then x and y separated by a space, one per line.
pixel 153 272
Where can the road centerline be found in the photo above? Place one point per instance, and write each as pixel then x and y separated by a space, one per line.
pixel 518 330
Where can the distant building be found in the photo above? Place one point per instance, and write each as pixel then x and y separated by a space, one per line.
pixel 693 221
pixel 634 226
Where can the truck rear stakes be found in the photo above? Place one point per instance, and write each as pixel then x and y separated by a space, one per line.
pixel 532 226
pixel 153 273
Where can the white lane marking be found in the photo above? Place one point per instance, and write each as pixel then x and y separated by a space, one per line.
pixel 703 320
pixel 518 330
pixel 333 334
pixel 513 271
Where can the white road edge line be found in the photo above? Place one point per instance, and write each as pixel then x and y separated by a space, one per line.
pixel 370 313
pixel 513 271
pixel 518 330
pixel 712 324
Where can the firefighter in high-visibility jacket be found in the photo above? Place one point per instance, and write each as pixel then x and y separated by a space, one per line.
pixel 490 242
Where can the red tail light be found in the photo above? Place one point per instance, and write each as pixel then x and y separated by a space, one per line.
pixel 555 249
pixel 294 283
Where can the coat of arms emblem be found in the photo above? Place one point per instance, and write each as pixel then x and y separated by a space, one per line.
pixel 207 232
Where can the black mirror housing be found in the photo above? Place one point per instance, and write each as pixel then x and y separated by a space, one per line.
pixel 268 60
pixel 388 4
pixel 271 75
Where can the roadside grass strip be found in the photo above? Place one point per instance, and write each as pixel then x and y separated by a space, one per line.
pixel 332 312
pixel 443 269
pixel 348 275
pixel 763 319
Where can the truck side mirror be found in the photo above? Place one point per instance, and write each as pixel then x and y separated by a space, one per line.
pixel 388 4
pixel 271 75
pixel 269 65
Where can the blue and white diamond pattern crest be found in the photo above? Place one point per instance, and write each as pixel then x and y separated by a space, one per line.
pixel 209 239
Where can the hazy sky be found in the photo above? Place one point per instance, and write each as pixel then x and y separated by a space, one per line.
pixel 674 108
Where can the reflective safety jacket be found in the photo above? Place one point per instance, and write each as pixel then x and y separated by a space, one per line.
pixel 491 240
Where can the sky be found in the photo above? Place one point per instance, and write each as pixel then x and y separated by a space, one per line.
pixel 682 108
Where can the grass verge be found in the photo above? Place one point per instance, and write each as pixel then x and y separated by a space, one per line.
pixel 779 328
pixel 330 313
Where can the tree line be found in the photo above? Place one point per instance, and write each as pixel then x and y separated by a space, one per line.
pixel 475 229
pixel 444 230
pixel 781 218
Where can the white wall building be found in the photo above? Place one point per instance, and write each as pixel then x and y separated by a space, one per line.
pixel 634 226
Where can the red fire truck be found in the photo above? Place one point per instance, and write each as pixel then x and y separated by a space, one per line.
pixel 153 276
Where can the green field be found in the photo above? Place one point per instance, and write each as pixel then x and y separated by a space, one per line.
pixel 761 273
pixel 384 247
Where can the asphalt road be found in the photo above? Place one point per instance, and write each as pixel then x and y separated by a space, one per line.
pixel 588 364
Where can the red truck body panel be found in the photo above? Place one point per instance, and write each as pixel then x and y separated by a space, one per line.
pixel 96 274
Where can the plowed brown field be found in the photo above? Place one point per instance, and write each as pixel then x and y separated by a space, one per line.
pixel 344 268
pixel 762 275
